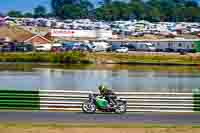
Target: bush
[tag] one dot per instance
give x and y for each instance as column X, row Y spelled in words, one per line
column 68, row 57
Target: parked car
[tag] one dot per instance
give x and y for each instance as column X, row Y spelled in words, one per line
column 122, row 50
column 144, row 46
column 182, row 51
column 85, row 48
column 67, row 46
column 169, row 50
column 99, row 46
column 43, row 48
column 24, row 48
column 130, row 47
column 137, row 34
column 57, row 49
column 113, row 48
column 6, row 48
column 150, row 47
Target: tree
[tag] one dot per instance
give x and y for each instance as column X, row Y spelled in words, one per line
column 179, row 14
column 191, row 3
column 69, row 11
column 114, row 11
column 50, row 14
column 58, row 4
column 28, row 15
column 153, row 14
column 151, row 10
column 71, row 8
column 191, row 14
column 168, row 8
column 40, row 11
column 14, row 13
column 107, row 2
column 138, row 9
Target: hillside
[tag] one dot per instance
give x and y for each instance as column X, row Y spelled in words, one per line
column 14, row 33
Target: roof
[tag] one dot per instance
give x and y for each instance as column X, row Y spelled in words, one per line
column 29, row 39
column 49, row 37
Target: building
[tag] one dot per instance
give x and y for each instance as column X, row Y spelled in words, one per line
column 59, row 33
column 37, row 40
column 162, row 44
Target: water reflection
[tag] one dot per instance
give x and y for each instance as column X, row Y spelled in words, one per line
column 88, row 79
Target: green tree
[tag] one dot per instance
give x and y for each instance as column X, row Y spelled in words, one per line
column 179, row 14
column 191, row 14
column 50, row 14
column 153, row 15
column 107, row 2
column 28, row 15
column 138, row 9
column 71, row 8
column 40, row 11
column 151, row 10
column 14, row 13
column 70, row 11
column 168, row 8
column 115, row 11
column 191, row 3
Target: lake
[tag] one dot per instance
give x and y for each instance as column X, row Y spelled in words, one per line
column 119, row 77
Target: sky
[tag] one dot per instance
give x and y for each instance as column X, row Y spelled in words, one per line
column 26, row 5
column 22, row 5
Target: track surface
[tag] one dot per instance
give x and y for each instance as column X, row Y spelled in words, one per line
column 66, row 117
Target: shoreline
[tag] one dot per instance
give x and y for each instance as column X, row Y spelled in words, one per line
column 150, row 64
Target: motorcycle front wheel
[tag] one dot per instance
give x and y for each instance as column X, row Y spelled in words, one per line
column 88, row 107
column 121, row 108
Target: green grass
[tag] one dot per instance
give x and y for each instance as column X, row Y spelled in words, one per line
column 160, row 59
column 68, row 57
column 88, row 58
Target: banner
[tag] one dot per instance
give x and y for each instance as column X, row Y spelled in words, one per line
column 81, row 33
column 73, row 33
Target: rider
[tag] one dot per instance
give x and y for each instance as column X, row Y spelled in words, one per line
column 108, row 94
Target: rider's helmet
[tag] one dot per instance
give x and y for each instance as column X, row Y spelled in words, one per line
column 102, row 88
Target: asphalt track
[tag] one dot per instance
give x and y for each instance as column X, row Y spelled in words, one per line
column 76, row 117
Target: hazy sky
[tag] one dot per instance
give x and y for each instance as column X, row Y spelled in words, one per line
column 22, row 5
column 27, row 5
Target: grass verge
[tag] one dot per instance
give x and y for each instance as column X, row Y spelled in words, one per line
column 75, row 125
column 102, row 58
column 94, row 128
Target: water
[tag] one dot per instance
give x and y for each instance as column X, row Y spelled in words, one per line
column 120, row 78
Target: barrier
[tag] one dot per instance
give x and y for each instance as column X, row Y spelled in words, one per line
column 61, row 100
column 11, row 99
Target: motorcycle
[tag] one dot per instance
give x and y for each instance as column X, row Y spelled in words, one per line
column 97, row 102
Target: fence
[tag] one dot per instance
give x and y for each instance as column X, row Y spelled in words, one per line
column 59, row 100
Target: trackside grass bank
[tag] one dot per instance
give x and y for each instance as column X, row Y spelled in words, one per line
column 97, row 128
column 147, row 58
column 69, row 57
column 102, row 58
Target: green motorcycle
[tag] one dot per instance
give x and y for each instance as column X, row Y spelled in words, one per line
column 97, row 102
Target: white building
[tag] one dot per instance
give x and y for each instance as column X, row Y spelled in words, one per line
column 106, row 34
column 163, row 44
